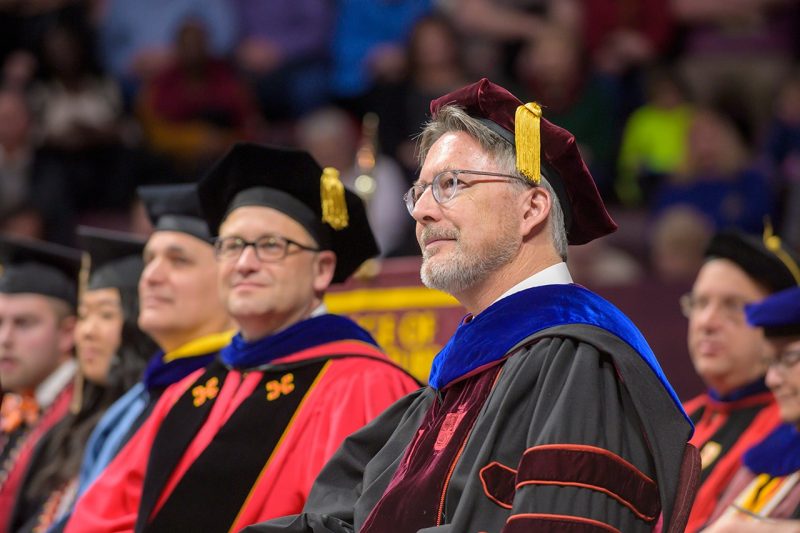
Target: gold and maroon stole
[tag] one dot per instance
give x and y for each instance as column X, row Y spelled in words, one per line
column 216, row 486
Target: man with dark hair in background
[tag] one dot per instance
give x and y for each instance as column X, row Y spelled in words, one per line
column 38, row 300
column 176, row 309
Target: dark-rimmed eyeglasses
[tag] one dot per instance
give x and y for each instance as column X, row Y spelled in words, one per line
column 730, row 307
column 269, row 248
column 446, row 185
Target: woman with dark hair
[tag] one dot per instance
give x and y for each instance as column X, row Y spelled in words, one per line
column 112, row 352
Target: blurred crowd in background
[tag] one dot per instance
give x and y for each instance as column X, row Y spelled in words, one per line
column 687, row 112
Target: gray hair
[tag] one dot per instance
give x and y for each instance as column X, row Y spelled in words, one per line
column 453, row 118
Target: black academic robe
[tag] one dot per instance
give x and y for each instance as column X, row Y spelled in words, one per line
column 575, row 433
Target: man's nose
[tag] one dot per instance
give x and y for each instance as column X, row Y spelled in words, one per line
column 426, row 207
column 248, row 260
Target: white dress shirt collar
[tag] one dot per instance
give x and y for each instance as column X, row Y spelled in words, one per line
column 557, row 274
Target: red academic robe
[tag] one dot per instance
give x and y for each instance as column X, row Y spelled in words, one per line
column 724, row 431
column 13, row 470
column 346, row 394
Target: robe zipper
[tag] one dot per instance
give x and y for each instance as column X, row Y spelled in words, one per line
column 450, row 471
column 443, row 497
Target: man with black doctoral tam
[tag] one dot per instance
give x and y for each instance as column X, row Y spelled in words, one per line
column 38, row 300
column 546, row 410
column 737, row 409
column 176, row 309
column 243, row 440
column 764, row 495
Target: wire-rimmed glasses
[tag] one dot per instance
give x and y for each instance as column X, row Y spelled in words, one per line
column 445, row 185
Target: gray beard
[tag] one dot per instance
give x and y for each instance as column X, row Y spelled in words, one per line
column 463, row 271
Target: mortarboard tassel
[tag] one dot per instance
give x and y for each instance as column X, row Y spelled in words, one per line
column 334, row 208
column 773, row 244
column 528, row 140
column 83, row 274
column 76, row 401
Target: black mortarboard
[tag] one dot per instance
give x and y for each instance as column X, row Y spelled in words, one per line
column 292, row 182
column 767, row 260
column 116, row 257
column 540, row 146
column 39, row 267
column 778, row 314
column 174, row 208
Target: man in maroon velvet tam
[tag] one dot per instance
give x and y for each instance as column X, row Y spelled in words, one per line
column 546, row 410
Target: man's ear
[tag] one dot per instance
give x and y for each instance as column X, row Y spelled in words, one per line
column 324, row 268
column 66, row 334
column 535, row 210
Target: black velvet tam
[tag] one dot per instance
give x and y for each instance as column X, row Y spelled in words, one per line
column 768, row 261
column 289, row 181
column 175, row 208
column 116, row 257
column 39, row 267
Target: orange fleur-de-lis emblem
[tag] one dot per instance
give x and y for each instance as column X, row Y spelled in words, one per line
column 18, row 410
column 277, row 388
column 205, row 392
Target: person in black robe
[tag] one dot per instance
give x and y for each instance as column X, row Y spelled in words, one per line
column 187, row 322
column 737, row 409
column 764, row 494
column 112, row 352
column 546, row 410
column 39, row 285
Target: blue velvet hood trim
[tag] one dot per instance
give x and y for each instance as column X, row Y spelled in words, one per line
column 778, row 454
column 305, row 334
column 490, row 335
column 159, row 375
column 751, row 389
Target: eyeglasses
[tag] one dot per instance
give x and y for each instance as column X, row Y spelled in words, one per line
column 785, row 360
column 445, row 185
column 269, row 248
column 730, row 307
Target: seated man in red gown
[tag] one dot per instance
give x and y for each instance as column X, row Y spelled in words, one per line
column 764, row 495
column 242, row 440
column 737, row 410
column 38, row 305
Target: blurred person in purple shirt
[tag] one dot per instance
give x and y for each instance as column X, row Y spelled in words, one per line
column 283, row 47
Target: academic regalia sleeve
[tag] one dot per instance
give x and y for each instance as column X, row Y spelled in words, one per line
column 355, row 393
column 331, row 504
column 112, row 501
column 587, row 464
